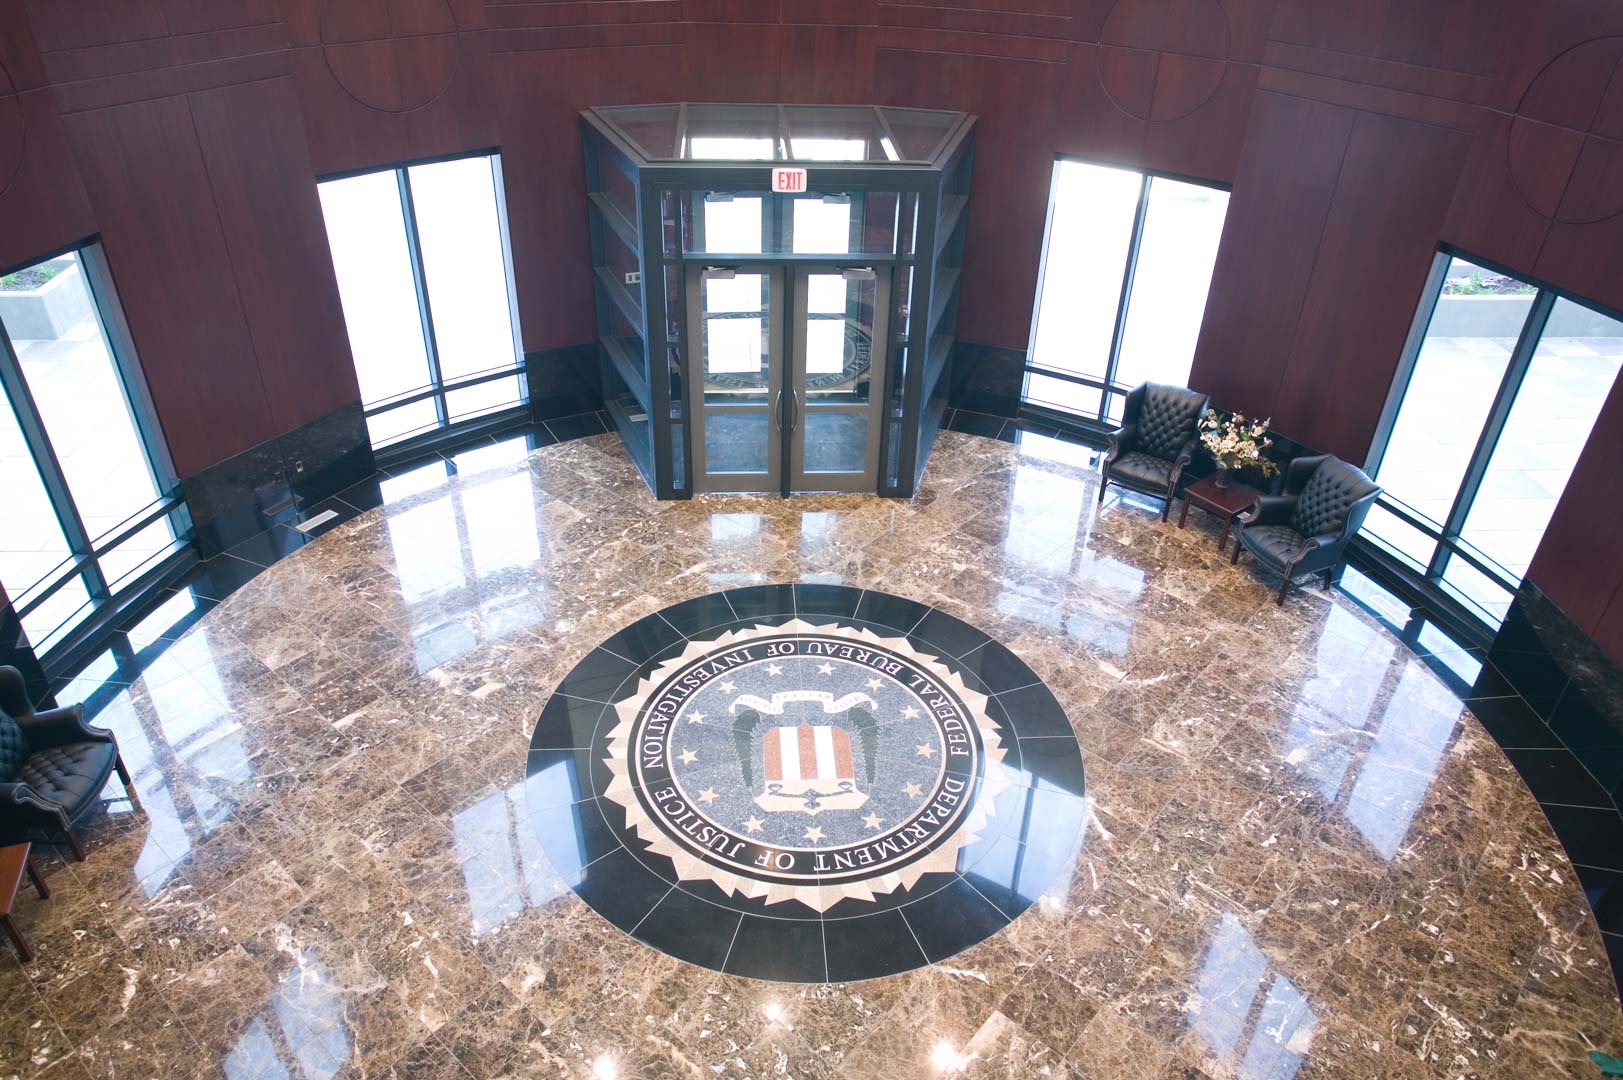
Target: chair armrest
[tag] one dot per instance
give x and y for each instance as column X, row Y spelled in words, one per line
column 1122, row 440
column 1269, row 510
column 1317, row 553
column 14, row 692
column 1186, row 452
column 59, row 727
column 18, row 800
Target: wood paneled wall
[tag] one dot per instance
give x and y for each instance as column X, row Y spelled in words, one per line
column 1358, row 136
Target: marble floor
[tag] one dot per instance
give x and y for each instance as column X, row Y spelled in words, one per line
column 1303, row 856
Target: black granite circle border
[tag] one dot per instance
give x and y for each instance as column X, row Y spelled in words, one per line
column 1032, row 836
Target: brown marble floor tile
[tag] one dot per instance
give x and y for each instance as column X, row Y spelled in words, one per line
column 1305, row 857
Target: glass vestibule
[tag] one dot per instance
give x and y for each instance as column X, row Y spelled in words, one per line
column 780, row 341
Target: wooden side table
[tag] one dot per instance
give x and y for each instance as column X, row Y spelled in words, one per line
column 1226, row 503
column 15, row 860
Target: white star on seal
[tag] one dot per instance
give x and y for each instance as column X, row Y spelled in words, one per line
column 872, row 820
column 926, row 750
column 688, row 757
column 874, row 684
column 910, row 712
column 753, row 825
column 825, row 669
column 695, row 717
column 774, row 669
column 814, row 833
column 912, row 789
column 729, row 686
column 708, row 795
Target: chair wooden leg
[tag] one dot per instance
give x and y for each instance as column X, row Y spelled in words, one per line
column 1234, row 560
column 1103, row 483
column 124, row 775
column 1329, row 578
column 1284, row 587
column 75, row 846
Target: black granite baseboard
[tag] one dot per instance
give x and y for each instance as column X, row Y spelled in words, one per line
column 986, row 378
column 1554, row 701
column 1567, row 681
column 563, row 381
column 273, row 482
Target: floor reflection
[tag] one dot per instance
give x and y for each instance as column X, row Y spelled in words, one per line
column 1295, row 836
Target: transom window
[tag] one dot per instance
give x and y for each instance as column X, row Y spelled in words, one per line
column 1127, row 262
column 425, row 276
column 1499, row 387
column 91, row 507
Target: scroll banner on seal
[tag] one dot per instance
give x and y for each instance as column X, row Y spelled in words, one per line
column 779, row 700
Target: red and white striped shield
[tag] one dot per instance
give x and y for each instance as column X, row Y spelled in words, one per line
column 808, row 768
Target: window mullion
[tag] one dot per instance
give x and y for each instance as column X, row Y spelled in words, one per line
column 50, row 469
column 1126, row 297
column 419, row 280
column 1520, row 360
column 1429, row 296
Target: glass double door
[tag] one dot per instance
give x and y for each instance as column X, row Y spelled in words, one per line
column 788, row 384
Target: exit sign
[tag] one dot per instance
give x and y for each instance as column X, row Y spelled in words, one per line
column 791, row 180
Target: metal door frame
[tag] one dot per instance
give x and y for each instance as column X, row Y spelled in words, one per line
column 698, row 409
column 796, row 478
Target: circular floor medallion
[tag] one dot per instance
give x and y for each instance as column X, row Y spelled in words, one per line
column 805, row 783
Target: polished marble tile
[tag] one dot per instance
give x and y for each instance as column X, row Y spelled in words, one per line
column 1303, row 855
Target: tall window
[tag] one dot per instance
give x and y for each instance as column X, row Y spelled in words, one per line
column 425, row 277
column 1126, row 265
column 89, row 508
column 1498, row 390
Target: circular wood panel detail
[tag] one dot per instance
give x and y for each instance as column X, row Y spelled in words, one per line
column 391, row 55
column 1565, row 150
column 1157, row 67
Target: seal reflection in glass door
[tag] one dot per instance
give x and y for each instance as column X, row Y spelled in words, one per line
column 738, row 445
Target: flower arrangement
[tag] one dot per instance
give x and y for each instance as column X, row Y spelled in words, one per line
column 1236, row 443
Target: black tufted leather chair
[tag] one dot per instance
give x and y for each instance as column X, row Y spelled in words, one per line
column 1160, row 426
column 53, row 765
column 1306, row 529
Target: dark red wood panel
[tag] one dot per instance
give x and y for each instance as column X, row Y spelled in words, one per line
column 1577, row 565
column 1490, row 216
column 1206, row 142
column 1367, row 98
column 1350, row 26
column 20, row 65
column 201, row 16
column 1270, row 242
column 343, row 133
column 253, row 144
column 43, row 205
column 94, row 22
column 1448, row 35
column 1313, row 284
column 149, row 188
column 827, row 65
column 1093, row 123
column 1397, row 178
column 465, row 115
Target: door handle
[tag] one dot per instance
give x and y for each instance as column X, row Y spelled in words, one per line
column 794, row 409
column 777, row 412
